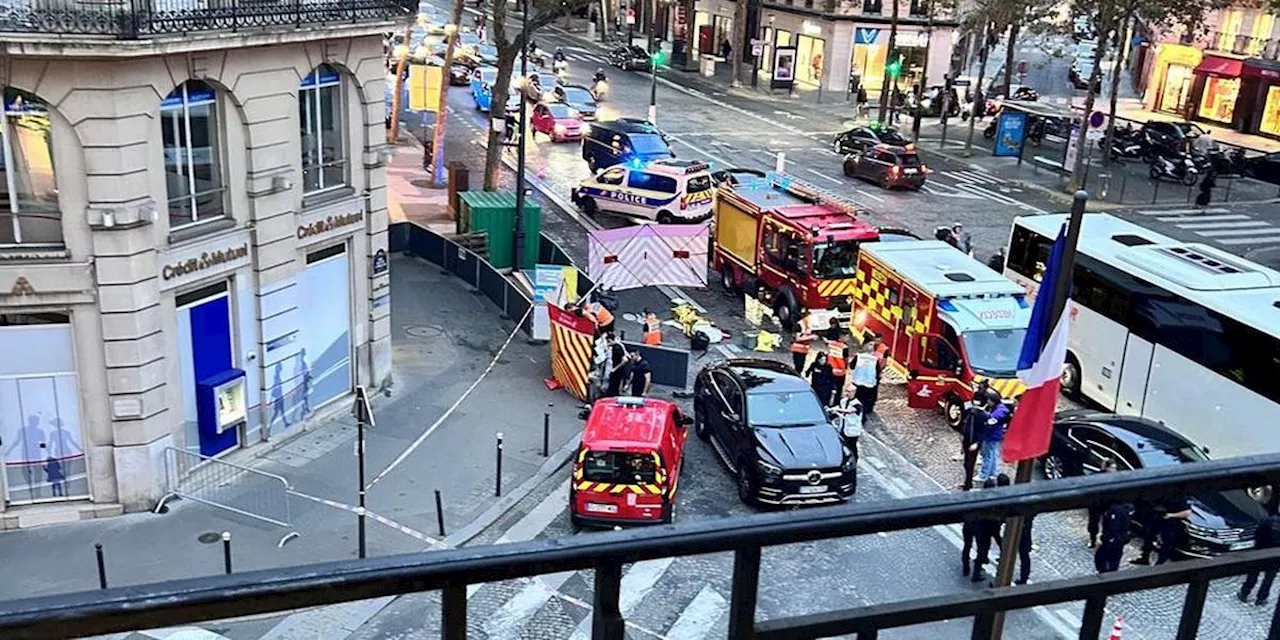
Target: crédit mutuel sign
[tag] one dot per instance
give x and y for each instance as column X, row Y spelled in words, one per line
column 329, row 223
column 205, row 260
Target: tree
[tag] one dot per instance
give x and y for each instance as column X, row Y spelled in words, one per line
column 540, row 13
column 740, row 42
column 1111, row 19
column 442, row 110
column 987, row 18
column 1026, row 12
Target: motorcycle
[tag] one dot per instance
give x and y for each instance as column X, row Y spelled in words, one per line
column 600, row 89
column 1179, row 167
column 561, row 68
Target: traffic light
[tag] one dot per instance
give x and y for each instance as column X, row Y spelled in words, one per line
column 657, row 57
column 894, row 66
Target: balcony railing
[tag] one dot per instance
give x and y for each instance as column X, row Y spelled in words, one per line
column 128, row 19
column 451, row 571
column 1268, row 48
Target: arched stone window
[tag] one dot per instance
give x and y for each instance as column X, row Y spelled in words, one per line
column 320, row 113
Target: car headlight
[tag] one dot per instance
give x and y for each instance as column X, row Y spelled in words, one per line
column 560, row 129
column 850, row 463
column 768, row 473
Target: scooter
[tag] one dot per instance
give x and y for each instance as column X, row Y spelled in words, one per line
column 561, row 68
column 600, row 89
column 1179, row 167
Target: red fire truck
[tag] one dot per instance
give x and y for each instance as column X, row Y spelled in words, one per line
column 949, row 321
column 797, row 241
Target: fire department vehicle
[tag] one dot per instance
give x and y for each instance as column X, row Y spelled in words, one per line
column 948, row 320
column 628, row 464
column 796, row 240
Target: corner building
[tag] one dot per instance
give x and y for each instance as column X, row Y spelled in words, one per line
column 193, row 235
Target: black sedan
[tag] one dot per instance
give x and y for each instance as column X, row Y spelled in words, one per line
column 767, row 426
column 890, row 167
column 629, row 57
column 859, row 139
column 1083, row 440
column 578, row 97
column 1265, row 168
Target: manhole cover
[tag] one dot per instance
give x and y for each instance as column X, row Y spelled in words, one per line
column 209, row 538
column 424, row 332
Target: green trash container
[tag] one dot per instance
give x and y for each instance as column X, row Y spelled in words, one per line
column 494, row 212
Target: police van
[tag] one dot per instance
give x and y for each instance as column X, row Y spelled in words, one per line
column 664, row 190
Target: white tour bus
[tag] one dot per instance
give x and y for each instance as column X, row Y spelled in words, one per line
column 1181, row 333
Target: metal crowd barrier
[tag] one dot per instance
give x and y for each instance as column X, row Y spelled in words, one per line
column 452, row 570
column 228, row 486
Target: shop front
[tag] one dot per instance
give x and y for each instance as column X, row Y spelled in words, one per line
column 871, row 51
column 1172, row 76
column 1260, row 97
column 714, row 29
column 42, row 450
column 1217, row 86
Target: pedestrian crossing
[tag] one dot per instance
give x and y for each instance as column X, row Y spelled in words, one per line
column 1218, row 225
column 973, row 177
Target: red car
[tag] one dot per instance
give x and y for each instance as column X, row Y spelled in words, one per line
column 559, row 121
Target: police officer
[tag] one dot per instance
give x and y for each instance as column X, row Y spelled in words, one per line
column 1163, row 524
column 1024, row 539
column 1095, row 510
column 985, row 531
column 1113, row 524
column 975, row 422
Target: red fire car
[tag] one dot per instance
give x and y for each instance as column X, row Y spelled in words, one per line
column 628, row 464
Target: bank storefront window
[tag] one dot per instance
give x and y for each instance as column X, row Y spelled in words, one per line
column 1271, row 112
column 1219, row 100
column 809, row 59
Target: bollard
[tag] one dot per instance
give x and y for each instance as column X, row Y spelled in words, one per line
column 102, row 566
column 1105, row 179
column 1189, row 193
column 546, row 434
column 497, row 480
column 1155, row 193
column 439, row 514
column 360, row 539
column 226, row 550
column 781, row 167
column 1124, row 181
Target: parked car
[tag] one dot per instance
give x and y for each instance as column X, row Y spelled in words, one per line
column 1084, row 439
column 887, row 165
column 459, row 74
column 1173, row 135
column 1265, row 168
column 558, row 120
column 629, row 57
column 768, row 427
column 861, row 138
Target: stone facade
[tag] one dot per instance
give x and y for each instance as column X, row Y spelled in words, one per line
column 122, row 269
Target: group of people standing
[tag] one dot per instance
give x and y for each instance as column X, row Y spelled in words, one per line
column 982, row 435
column 845, row 376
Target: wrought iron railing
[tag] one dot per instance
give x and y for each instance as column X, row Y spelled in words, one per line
column 451, row 571
column 128, row 19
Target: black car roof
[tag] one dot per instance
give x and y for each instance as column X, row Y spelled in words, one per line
column 765, row 376
column 1132, row 430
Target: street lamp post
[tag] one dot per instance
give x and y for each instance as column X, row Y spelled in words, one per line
column 518, row 244
column 653, row 65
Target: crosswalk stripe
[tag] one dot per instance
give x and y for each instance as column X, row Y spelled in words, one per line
column 1240, row 241
column 697, row 619
column 1197, row 226
column 971, row 176
column 1178, row 212
column 1202, row 218
column 998, row 197
column 637, row 582
column 1240, row 232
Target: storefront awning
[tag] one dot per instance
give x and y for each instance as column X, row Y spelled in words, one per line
column 1260, row 68
column 1213, row 65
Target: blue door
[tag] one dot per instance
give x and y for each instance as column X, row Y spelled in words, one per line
column 204, row 330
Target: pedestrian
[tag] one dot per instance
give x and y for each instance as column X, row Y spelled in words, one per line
column 726, row 49
column 838, row 358
column 960, row 239
column 1162, row 525
column 864, row 111
column 986, row 530
column 1207, row 184
column 652, row 329
column 975, row 421
column 849, row 421
column 620, row 371
column 996, row 261
column 821, row 378
column 993, row 435
column 1266, row 537
column 866, row 376
column 56, row 477
column 641, row 375
column 800, row 342
column 833, row 331
column 1096, row 510
column 1114, row 527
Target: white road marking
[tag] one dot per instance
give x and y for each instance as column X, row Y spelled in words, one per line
column 1240, row 232
column 875, row 462
column 1200, row 219
column 1178, row 212
column 697, row 619
column 824, row 176
column 971, row 176
column 725, row 350
column 636, row 584
column 1240, row 241
column 1197, row 226
column 953, row 193
column 1069, row 617
column 539, row 517
column 869, row 195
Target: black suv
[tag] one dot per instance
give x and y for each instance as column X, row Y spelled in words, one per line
column 859, row 139
column 767, row 425
column 628, row 58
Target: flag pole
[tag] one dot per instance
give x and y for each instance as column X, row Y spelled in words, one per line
column 1013, row 527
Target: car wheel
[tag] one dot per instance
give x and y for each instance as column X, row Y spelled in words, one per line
column 746, row 488
column 588, row 206
column 787, row 311
column 727, row 278
column 665, row 217
column 953, row 409
column 835, row 146
column 700, row 424
column 1189, row 179
column 1053, row 467
column 1070, row 380
column 849, row 169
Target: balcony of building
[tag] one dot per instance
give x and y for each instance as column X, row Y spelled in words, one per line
column 72, row 26
column 1265, row 48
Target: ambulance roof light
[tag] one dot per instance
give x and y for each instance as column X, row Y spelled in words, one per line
column 947, row 305
column 628, row 401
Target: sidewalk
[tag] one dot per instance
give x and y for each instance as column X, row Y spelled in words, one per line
column 1131, row 109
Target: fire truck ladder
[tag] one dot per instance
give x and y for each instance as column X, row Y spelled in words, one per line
column 806, row 189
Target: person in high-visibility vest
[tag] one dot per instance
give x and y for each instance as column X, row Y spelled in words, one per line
column 603, row 317
column 652, row 329
column 800, row 341
column 837, row 354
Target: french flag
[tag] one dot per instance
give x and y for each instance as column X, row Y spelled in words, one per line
column 1040, row 367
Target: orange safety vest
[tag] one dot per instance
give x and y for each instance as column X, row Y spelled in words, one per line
column 604, row 317
column 800, row 343
column 652, row 330
column 835, row 357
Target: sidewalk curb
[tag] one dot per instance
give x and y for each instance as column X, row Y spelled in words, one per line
column 556, row 461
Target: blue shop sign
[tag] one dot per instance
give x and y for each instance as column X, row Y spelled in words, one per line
column 865, row 36
column 1009, row 133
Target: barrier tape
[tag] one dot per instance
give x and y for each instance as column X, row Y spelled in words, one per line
column 373, row 516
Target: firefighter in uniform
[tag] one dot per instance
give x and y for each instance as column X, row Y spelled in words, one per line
column 837, row 356
column 800, row 341
column 603, row 316
column 652, row 329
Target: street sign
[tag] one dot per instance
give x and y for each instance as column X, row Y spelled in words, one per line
column 631, row 16
column 1097, row 118
column 362, row 411
column 380, row 264
column 1073, row 149
column 757, row 49
column 424, row 87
